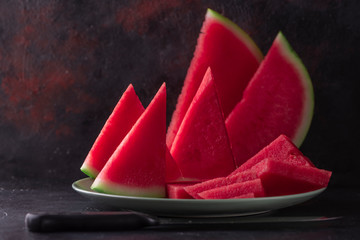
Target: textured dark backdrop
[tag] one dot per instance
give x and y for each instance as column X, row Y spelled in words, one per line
column 64, row 65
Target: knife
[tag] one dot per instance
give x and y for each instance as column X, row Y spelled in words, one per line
column 129, row 220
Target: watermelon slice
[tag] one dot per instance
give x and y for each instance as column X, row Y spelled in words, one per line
column 283, row 178
column 246, row 195
column 176, row 190
column 201, row 147
column 233, row 58
column 173, row 173
column 234, row 190
column 137, row 167
column 195, row 189
column 281, row 149
column 123, row 117
column 278, row 100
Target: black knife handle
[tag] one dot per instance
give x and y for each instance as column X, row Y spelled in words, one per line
column 88, row 221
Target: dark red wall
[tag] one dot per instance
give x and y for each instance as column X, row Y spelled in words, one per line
column 64, row 65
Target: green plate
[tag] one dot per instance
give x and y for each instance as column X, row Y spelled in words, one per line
column 192, row 207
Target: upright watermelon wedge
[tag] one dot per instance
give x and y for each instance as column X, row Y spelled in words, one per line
column 119, row 123
column 233, row 58
column 201, row 148
column 137, row 167
column 278, row 100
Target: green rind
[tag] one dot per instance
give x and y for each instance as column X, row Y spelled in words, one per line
column 292, row 56
column 241, row 34
column 92, row 173
column 117, row 189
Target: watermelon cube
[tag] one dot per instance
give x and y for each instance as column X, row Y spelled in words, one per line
column 284, row 178
column 234, row 190
column 176, row 190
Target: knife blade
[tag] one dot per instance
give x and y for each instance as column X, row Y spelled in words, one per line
column 129, row 220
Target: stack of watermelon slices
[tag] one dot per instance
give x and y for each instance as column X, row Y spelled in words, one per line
column 231, row 134
column 278, row 169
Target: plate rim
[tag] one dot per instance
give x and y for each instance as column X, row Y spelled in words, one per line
column 292, row 196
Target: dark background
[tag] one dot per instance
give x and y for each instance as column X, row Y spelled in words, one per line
column 65, row 64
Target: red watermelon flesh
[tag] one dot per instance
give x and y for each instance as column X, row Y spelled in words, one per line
column 280, row 149
column 195, row 189
column 283, row 178
column 278, row 100
column 137, row 167
column 176, row 190
column 201, row 148
column 173, row 173
column 119, row 123
column 246, row 195
column 229, row 191
column 233, row 58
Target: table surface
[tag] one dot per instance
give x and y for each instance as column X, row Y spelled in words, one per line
column 20, row 197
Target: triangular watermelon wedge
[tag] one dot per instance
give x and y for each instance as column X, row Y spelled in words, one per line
column 233, row 58
column 137, row 167
column 201, row 147
column 278, row 100
column 119, row 123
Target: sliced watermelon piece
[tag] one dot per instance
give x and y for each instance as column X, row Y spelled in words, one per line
column 283, row 178
column 278, row 100
column 119, row 123
column 281, row 149
column 173, row 173
column 234, row 190
column 233, row 57
column 246, row 195
column 201, row 147
column 137, row 167
column 176, row 190
column 195, row 189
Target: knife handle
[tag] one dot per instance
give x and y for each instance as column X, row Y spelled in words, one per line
column 88, row 221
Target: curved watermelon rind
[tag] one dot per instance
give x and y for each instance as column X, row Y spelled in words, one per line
column 308, row 110
column 91, row 172
column 240, row 33
column 184, row 99
column 117, row 189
